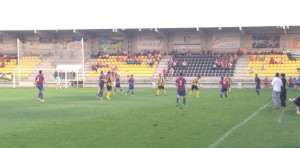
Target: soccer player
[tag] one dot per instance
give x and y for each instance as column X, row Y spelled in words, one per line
column 39, row 81
column 57, row 78
column 266, row 82
column 161, row 85
column 101, row 85
column 118, row 84
column 131, row 86
column 228, row 80
column 195, row 86
column 180, row 83
column 109, row 85
column 257, row 84
column 223, row 88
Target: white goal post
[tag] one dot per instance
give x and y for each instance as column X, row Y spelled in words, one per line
column 25, row 77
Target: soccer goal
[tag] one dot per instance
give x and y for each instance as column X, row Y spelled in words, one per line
column 25, row 77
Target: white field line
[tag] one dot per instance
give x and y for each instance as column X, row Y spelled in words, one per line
column 237, row 126
column 280, row 116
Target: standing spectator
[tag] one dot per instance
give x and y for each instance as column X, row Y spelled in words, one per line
column 266, row 80
column 276, row 83
column 171, row 72
column 291, row 82
column 165, row 72
column 283, row 90
column 184, row 63
column 272, row 51
column 263, row 67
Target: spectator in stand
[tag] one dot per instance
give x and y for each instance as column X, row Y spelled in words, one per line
column 266, row 82
column 276, row 61
column 174, row 64
column 165, row 72
column 258, row 51
column 189, row 52
column 265, row 58
column 139, row 61
column 251, row 52
column 107, row 64
column 149, row 55
column 251, row 58
column 291, row 82
column 272, row 51
column 281, row 61
column 263, row 67
column 118, row 59
column 124, row 58
column 94, row 67
column 243, row 51
column 202, row 52
column 151, row 62
column 112, row 67
column 148, row 61
column 184, row 63
column 171, row 72
column 272, row 61
column 116, row 68
column 252, row 70
column 214, row 66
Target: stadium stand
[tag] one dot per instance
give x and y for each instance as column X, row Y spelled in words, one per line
column 29, row 62
column 123, row 67
column 203, row 65
column 269, row 64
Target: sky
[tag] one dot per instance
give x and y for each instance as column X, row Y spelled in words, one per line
column 109, row 14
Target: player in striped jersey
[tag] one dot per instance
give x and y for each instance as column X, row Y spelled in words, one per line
column 118, row 84
column 109, row 85
column 161, row 85
column 195, row 86
column 180, row 83
column 39, row 82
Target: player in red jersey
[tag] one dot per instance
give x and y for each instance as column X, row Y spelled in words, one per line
column 39, row 82
column 223, row 88
column 180, row 83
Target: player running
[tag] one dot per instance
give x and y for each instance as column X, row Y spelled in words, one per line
column 57, row 79
column 180, row 83
column 118, row 84
column 131, row 86
column 223, row 88
column 195, row 86
column 257, row 84
column 109, row 85
column 228, row 80
column 161, row 85
column 101, row 85
column 39, row 81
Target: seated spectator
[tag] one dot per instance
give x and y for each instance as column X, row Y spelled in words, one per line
column 263, row 67
column 118, row 59
column 124, row 58
column 265, row 58
column 184, row 63
column 116, row 68
column 151, row 62
column 148, row 61
column 281, row 61
column 272, row 51
column 174, row 64
column 139, row 61
column 251, row 58
column 107, row 64
column 189, row 53
column 276, row 61
column 258, row 51
column 93, row 67
column 3, row 64
column 272, row 61
column 251, row 52
column 243, row 51
column 112, row 67
column 214, row 66
column 252, row 70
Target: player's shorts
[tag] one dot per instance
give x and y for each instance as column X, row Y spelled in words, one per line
column 101, row 87
column 181, row 93
column 118, row 85
column 108, row 88
column 40, row 88
column 194, row 87
column 58, row 82
column 131, row 87
column 257, row 87
column 223, row 90
column 161, row 87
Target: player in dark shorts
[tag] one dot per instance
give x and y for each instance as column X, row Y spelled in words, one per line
column 109, row 85
column 39, row 82
column 161, row 85
column 257, row 84
column 223, row 88
column 195, row 86
column 180, row 83
column 131, row 86
column 118, row 84
column 101, row 85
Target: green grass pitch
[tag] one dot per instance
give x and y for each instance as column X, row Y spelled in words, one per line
column 72, row 118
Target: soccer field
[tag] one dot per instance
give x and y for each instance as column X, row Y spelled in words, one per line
column 77, row 118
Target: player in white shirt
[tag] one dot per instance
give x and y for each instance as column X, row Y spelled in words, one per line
column 276, row 83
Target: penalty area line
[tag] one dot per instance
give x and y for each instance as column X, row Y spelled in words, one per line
column 237, row 126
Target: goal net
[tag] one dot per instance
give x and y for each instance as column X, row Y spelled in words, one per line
column 68, row 77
